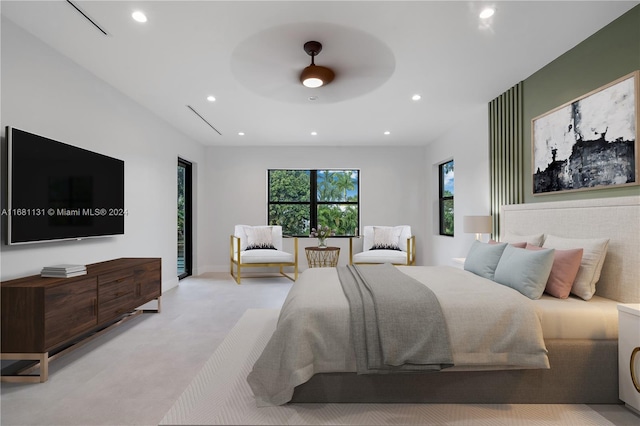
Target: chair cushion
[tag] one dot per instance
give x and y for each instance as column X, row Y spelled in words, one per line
column 381, row 256
column 266, row 256
column 386, row 238
column 251, row 234
column 401, row 232
column 259, row 238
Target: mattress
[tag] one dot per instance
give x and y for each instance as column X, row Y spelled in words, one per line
column 574, row 318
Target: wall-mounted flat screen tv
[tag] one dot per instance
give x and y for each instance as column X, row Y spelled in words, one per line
column 61, row 192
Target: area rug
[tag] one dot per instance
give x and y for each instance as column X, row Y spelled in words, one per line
column 220, row 395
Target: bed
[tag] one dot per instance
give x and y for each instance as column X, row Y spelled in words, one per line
column 579, row 338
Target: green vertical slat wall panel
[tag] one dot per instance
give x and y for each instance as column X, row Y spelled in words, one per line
column 505, row 152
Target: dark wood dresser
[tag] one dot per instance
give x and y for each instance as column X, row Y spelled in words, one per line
column 42, row 317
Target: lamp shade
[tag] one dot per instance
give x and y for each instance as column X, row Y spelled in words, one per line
column 477, row 224
column 316, row 76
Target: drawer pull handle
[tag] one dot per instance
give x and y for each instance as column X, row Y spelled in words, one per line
column 634, row 378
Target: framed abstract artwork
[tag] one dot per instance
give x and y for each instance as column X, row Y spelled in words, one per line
column 590, row 142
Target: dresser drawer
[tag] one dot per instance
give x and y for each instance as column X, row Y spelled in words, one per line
column 110, row 277
column 70, row 309
column 148, row 282
column 115, row 295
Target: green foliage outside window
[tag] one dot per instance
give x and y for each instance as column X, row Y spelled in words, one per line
column 303, row 199
column 289, row 201
column 447, row 217
column 181, row 203
column 446, row 198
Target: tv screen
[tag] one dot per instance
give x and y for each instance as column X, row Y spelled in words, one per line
column 59, row 192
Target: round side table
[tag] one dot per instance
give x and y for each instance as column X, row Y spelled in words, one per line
column 326, row 257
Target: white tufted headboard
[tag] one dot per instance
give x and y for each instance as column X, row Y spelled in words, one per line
column 615, row 218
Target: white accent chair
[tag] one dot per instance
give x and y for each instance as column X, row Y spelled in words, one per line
column 261, row 246
column 385, row 244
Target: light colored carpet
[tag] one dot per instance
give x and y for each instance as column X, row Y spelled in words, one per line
column 219, row 394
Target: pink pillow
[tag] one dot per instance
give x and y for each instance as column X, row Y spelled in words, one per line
column 563, row 272
column 516, row 245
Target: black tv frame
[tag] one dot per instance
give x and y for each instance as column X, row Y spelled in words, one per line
column 84, row 222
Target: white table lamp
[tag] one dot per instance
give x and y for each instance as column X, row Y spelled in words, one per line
column 477, row 225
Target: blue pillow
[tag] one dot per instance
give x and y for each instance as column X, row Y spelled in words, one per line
column 525, row 270
column 483, row 258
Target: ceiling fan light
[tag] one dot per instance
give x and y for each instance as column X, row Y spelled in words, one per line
column 315, row 76
column 312, row 82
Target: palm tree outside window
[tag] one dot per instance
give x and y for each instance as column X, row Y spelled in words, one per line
column 299, row 200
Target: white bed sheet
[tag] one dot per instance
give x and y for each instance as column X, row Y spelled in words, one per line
column 571, row 318
column 574, row 318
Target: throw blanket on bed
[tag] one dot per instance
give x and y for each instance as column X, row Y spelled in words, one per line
column 396, row 322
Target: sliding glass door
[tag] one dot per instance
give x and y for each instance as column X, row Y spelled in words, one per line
column 184, row 219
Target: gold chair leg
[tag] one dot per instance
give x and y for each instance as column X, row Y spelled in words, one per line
column 232, row 238
column 236, row 277
column 350, row 250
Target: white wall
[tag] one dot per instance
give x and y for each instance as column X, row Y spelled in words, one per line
column 468, row 146
column 392, row 182
column 45, row 93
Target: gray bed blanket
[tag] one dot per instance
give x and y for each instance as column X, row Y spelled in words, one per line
column 396, row 322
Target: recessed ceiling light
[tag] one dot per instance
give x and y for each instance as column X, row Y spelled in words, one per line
column 416, row 97
column 387, row 132
column 139, row 16
column 313, row 98
column 240, row 133
column 487, row 12
column 211, row 98
column 314, row 133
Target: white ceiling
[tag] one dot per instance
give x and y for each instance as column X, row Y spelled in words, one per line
column 249, row 56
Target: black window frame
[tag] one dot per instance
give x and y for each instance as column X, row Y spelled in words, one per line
column 444, row 199
column 188, row 218
column 314, row 201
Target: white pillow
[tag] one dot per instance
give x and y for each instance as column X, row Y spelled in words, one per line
column 259, row 238
column 533, row 239
column 404, row 232
column 594, row 252
column 386, row 238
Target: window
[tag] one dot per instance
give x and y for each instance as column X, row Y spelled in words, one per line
column 185, row 247
column 445, row 171
column 299, row 200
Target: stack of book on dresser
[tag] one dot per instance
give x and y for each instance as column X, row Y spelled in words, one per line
column 63, row 271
